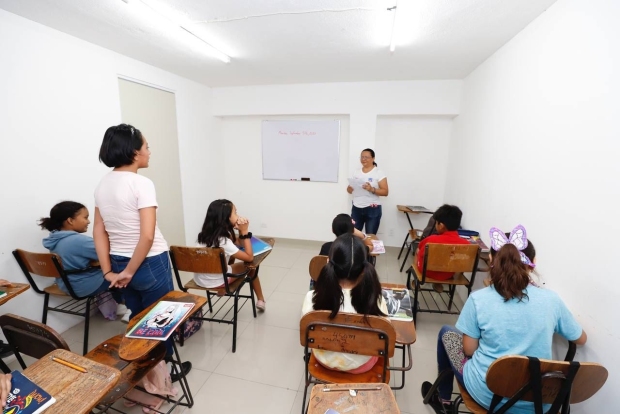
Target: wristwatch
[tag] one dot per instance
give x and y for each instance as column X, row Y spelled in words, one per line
column 246, row 236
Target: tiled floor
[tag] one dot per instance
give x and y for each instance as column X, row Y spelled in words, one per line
column 265, row 375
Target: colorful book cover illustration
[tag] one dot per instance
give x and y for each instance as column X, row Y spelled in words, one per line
column 398, row 302
column 161, row 321
column 26, row 397
column 259, row 246
column 477, row 240
column 378, row 247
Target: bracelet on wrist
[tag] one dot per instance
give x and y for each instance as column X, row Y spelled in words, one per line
column 109, row 271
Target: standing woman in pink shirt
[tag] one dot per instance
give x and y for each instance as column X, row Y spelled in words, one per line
column 131, row 250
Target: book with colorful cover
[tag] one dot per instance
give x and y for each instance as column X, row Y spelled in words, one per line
column 378, row 247
column 26, row 397
column 161, row 321
column 398, row 303
column 2, row 293
column 259, row 246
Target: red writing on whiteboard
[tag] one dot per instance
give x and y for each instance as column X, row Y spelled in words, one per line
column 306, row 133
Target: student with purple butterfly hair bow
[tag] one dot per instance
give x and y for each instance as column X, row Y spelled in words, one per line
column 510, row 317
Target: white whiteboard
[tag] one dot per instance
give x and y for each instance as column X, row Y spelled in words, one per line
column 301, row 150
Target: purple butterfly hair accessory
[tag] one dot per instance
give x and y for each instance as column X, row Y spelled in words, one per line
column 518, row 238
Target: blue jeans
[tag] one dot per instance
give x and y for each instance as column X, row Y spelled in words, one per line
column 450, row 357
column 371, row 216
column 152, row 281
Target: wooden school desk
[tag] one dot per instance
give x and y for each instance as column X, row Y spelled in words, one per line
column 407, row 210
column 377, row 399
column 75, row 392
column 13, row 290
column 132, row 349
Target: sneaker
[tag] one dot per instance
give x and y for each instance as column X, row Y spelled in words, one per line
column 186, row 367
column 435, row 402
column 260, row 305
column 126, row 316
column 438, row 287
column 121, row 309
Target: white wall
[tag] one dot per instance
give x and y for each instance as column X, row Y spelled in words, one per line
column 58, row 96
column 372, row 111
column 537, row 143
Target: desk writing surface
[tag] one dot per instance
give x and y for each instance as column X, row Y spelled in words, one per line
column 258, row 259
column 12, row 291
column 132, row 349
column 75, row 392
column 365, row 402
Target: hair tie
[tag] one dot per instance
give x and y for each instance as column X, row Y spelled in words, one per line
column 518, row 238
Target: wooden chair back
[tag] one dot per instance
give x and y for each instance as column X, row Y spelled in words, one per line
column 40, row 264
column 508, row 374
column 30, row 337
column 317, row 263
column 348, row 333
column 198, row 259
column 453, row 258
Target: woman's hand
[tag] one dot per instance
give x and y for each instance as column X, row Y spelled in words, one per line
column 5, row 387
column 5, row 283
column 120, row 280
column 367, row 187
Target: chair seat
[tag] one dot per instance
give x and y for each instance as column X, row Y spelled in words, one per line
column 457, row 279
column 469, row 402
column 221, row 291
column 327, row 375
column 132, row 372
column 54, row 290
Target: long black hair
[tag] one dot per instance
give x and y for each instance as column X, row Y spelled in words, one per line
column 217, row 224
column 347, row 261
column 59, row 214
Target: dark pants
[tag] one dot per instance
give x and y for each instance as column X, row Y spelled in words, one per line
column 450, row 357
column 370, row 216
column 152, row 281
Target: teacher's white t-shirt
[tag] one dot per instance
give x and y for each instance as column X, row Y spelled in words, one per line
column 373, row 177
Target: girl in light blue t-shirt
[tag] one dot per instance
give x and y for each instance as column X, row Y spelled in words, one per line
column 510, row 317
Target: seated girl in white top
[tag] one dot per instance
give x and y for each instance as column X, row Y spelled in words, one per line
column 218, row 230
column 347, row 283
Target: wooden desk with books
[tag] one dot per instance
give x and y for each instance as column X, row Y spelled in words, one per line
column 75, row 392
column 13, row 290
column 412, row 210
column 364, row 399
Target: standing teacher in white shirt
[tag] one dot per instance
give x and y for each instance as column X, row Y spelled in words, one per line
column 366, row 208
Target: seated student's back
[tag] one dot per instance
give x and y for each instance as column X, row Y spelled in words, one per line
column 447, row 221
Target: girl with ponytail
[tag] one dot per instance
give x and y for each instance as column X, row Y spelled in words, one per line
column 347, row 283
column 513, row 316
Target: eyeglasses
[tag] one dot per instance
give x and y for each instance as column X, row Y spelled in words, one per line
column 365, row 158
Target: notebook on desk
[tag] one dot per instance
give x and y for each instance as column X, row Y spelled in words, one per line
column 259, row 246
column 419, row 209
column 398, row 303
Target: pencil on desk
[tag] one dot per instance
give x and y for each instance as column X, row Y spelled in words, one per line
column 69, row 364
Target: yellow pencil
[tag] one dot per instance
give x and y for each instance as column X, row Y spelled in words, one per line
column 69, row 364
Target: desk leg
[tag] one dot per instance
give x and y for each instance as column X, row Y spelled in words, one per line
column 406, row 237
column 177, row 369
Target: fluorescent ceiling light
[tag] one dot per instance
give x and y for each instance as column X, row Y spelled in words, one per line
column 394, row 21
column 161, row 13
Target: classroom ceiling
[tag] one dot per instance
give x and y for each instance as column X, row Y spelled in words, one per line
column 295, row 41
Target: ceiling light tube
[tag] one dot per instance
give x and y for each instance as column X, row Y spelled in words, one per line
column 393, row 35
column 178, row 20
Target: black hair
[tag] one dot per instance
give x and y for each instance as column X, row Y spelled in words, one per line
column 342, row 224
column 450, row 216
column 59, row 214
column 348, row 261
column 372, row 154
column 217, row 224
column 119, row 146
